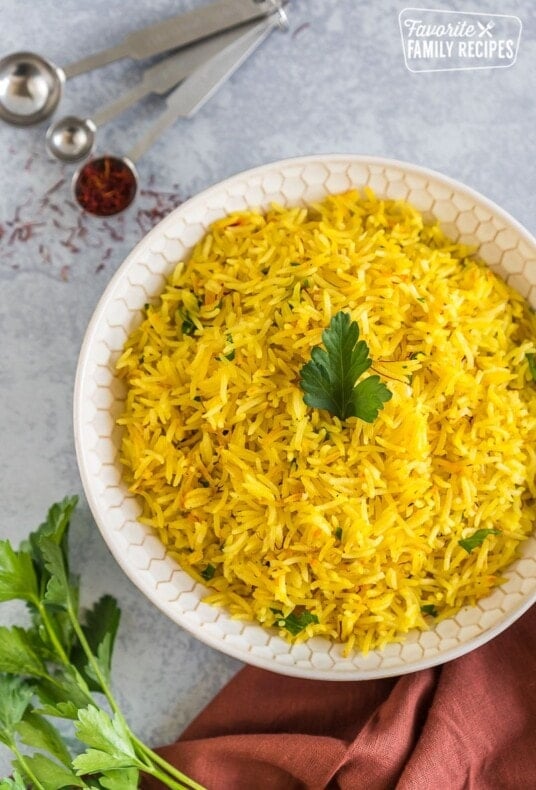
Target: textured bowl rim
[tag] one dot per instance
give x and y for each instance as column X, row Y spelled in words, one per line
column 157, row 231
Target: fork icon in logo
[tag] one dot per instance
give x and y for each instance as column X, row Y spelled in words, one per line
column 486, row 29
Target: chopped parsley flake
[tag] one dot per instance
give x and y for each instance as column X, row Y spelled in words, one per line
column 531, row 359
column 295, row 622
column 477, row 539
column 188, row 326
column 208, row 573
column 430, row 609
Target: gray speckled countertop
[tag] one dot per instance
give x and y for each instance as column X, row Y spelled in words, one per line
column 336, row 82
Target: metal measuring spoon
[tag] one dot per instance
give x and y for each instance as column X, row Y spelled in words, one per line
column 31, row 86
column 72, row 138
column 108, row 184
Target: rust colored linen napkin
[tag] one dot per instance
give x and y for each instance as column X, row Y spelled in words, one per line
column 469, row 724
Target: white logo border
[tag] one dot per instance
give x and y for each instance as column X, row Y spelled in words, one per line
column 458, row 13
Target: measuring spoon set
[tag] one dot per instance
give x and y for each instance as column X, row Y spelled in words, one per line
column 207, row 46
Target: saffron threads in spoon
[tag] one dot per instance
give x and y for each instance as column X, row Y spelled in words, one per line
column 105, row 185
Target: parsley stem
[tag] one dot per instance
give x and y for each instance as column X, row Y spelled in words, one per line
column 58, row 647
column 51, row 631
column 165, row 779
column 155, row 758
column 142, row 749
column 91, row 658
column 25, row 767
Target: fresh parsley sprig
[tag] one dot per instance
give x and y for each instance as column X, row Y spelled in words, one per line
column 52, row 668
column 329, row 378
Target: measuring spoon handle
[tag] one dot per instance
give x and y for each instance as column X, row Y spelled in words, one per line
column 197, row 89
column 176, row 32
column 163, row 76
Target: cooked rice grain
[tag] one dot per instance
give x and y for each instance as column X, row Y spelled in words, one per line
column 357, row 524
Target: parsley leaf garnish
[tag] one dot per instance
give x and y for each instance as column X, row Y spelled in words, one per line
column 109, row 739
column 477, row 539
column 34, row 730
column 15, row 782
column 17, row 575
column 20, row 652
column 329, row 378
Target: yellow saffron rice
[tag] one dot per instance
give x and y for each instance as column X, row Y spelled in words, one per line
column 281, row 509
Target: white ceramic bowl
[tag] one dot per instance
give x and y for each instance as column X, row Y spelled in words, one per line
column 506, row 247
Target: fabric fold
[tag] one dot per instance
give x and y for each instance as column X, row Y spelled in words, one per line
column 467, row 725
